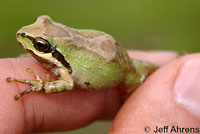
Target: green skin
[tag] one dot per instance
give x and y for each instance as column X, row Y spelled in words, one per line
column 87, row 59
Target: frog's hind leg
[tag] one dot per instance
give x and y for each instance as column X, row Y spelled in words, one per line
column 142, row 69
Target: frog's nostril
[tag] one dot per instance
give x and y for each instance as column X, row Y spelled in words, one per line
column 21, row 34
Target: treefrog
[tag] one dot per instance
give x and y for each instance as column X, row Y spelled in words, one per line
column 85, row 59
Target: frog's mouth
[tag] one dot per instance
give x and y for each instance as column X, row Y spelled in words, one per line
column 54, row 54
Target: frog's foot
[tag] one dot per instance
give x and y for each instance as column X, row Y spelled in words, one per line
column 36, row 85
column 39, row 85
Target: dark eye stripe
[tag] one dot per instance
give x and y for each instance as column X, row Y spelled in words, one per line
column 56, row 54
column 40, row 44
column 27, row 36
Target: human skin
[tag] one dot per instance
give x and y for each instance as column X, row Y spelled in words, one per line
column 38, row 112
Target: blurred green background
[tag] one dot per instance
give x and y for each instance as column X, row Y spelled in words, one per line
column 142, row 24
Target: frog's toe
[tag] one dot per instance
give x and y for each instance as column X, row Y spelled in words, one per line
column 9, row 79
column 37, row 77
column 18, row 96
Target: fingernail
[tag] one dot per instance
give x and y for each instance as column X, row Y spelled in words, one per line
column 187, row 87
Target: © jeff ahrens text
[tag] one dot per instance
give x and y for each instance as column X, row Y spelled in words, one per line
column 175, row 129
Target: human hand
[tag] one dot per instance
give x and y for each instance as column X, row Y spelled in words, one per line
column 65, row 111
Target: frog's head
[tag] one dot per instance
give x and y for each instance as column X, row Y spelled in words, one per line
column 31, row 35
column 42, row 38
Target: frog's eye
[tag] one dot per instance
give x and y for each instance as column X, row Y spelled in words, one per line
column 42, row 45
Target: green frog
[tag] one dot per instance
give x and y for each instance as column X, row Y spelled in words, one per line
column 85, row 59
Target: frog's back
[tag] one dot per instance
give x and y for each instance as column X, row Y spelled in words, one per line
column 97, row 60
column 94, row 41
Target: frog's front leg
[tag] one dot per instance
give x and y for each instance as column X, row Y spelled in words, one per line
column 65, row 82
